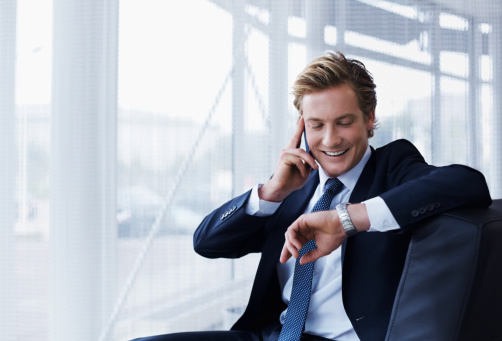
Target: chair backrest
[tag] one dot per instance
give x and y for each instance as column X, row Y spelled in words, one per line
column 451, row 287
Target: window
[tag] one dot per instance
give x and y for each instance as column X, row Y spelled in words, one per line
column 125, row 123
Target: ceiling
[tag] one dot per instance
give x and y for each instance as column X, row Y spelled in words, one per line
column 487, row 11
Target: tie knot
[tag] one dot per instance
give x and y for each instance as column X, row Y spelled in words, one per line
column 333, row 185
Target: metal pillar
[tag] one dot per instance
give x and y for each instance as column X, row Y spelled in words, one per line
column 238, row 99
column 7, row 167
column 436, row 124
column 83, row 153
column 341, row 16
column 315, row 19
column 495, row 157
column 238, row 107
column 278, row 79
column 474, row 115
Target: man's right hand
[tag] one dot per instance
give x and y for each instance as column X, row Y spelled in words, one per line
column 292, row 171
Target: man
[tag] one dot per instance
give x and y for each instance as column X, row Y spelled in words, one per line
column 390, row 188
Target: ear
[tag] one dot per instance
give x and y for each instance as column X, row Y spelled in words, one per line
column 370, row 121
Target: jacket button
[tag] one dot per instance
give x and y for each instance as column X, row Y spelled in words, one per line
column 430, row 207
column 437, row 204
column 422, row 210
column 415, row 213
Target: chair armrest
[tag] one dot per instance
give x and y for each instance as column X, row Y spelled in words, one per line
column 451, row 286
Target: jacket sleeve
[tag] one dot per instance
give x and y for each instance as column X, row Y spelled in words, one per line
column 228, row 232
column 418, row 190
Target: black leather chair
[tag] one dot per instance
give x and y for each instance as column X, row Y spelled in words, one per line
column 451, row 287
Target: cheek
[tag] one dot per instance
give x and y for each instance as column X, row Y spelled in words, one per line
column 313, row 137
column 357, row 134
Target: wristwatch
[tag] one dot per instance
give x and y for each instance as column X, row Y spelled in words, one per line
column 345, row 219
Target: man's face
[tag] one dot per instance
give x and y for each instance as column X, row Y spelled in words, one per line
column 337, row 132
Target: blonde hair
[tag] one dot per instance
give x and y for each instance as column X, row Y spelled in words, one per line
column 333, row 69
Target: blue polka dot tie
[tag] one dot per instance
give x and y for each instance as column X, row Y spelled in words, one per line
column 302, row 278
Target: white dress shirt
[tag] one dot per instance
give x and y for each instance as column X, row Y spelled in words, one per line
column 326, row 315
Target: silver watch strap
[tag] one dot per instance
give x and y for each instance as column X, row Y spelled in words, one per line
column 349, row 228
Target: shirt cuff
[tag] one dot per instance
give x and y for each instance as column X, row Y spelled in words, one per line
column 260, row 208
column 381, row 219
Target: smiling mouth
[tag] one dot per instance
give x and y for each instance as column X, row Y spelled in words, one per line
column 336, row 153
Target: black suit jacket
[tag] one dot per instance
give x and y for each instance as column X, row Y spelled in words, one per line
column 372, row 262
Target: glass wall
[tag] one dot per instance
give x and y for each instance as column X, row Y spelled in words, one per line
column 124, row 123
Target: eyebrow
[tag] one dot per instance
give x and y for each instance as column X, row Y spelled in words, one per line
column 347, row 115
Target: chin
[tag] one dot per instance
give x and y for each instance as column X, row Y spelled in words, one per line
column 333, row 173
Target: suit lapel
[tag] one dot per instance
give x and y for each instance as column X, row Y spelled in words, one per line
column 363, row 185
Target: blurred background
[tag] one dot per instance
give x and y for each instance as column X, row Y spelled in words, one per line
column 123, row 123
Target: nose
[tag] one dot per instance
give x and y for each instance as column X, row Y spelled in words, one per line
column 331, row 138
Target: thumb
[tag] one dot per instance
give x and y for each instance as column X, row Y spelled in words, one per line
column 311, row 256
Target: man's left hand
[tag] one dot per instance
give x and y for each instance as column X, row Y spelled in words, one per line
column 327, row 230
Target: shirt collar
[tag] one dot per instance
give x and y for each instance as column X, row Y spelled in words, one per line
column 349, row 179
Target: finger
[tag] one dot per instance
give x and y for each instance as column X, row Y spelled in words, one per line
column 285, row 255
column 289, row 251
column 292, row 243
column 300, row 164
column 296, row 139
column 309, row 159
column 300, row 158
column 298, row 235
column 311, row 256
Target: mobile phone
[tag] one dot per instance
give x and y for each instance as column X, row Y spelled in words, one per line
column 307, row 149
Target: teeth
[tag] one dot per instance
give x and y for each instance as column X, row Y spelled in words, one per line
column 336, row 153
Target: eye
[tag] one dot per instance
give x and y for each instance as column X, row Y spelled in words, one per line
column 346, row 121
column 315, row 126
